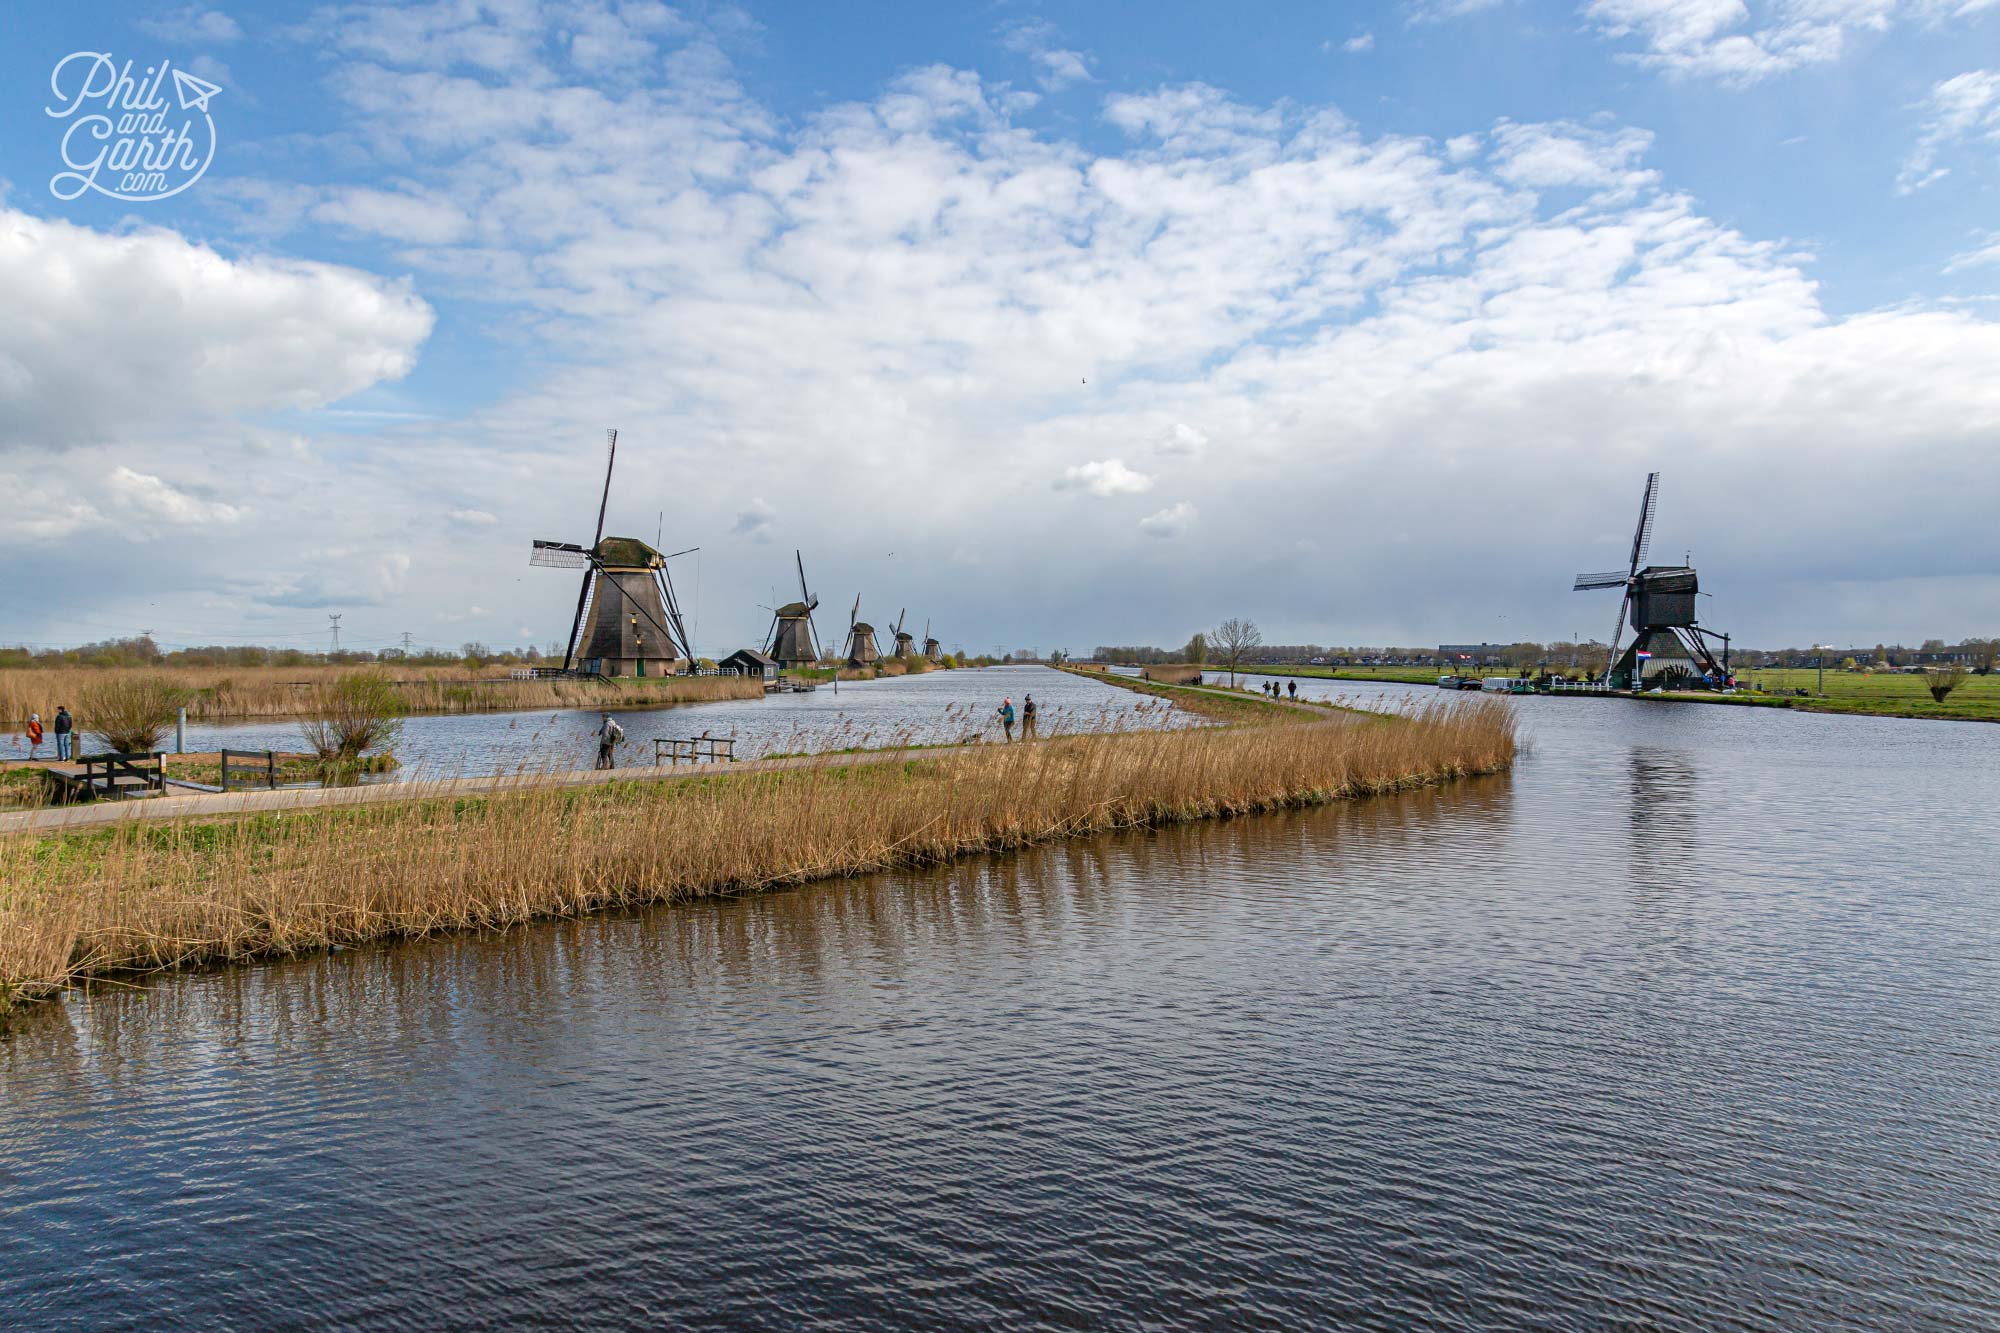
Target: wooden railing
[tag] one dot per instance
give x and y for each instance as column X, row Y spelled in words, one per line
column 697, row 750
column 255, row 764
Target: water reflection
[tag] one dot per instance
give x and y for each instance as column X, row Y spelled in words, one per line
column 1691, row 1022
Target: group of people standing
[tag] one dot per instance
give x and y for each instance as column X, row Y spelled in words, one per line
column 1270, row 687
column 63, row 728
column 1027, row 717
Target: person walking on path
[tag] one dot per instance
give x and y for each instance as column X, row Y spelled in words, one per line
column 1293, row 686
column 34, row 736
column 64, row 726
column 609, row 733
column 1028, row 717
column 1007, row 717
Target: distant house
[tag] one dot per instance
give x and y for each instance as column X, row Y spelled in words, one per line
column 1475, row 654
column 750, row 662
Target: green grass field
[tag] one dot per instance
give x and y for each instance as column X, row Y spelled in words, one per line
column 1884, row 694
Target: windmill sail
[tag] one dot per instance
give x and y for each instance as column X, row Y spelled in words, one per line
column 627, row 618
column 1658, row 602
column 791, row 640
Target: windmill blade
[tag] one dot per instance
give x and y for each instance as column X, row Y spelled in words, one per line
column 804, row 596
column 559, row 555
column 855, row 614
column 576, row 625
column 677, row 636
column 1642, row 536
column 1609, row 579
column 1617, row 632
column 610, row 461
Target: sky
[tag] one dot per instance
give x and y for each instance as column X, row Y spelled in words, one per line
column 1047, row 326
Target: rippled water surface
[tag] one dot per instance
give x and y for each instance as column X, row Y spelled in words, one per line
column 938, row 707
column 1693, row 1023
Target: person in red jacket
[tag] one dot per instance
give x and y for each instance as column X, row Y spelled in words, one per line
column 34, row 735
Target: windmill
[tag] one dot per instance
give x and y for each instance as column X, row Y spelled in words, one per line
column 1668, row 648
column 905, row 643
column 933, row 650
column 791, row 641
column 628, row 621
column 861, row 649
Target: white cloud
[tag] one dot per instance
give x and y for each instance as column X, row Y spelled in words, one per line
column 1057, row 67
column 1182, row 439
column 1354, row 46
column 394, row 214
column 755, row 520
column 147, row 497
column 1108, row 478
column 112, row 334
column 190, row 25
column 340, row 576
column 1565, row 153
column 1742, row 41
column 1169, row 522
column 1964, row 108
column 1987, row 252
column 473, row 518
column 911, row 313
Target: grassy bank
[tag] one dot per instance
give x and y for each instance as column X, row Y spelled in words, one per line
column 142, row 896
column 1217, row 702
column 280, row 692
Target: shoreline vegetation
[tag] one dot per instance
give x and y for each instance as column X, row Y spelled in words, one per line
column 1854, row 693
column 138, row 897
column 282, row 694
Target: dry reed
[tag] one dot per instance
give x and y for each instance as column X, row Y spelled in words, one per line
column 216, row 693
column 148, row 895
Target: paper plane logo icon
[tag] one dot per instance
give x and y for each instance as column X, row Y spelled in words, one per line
column 194, row 93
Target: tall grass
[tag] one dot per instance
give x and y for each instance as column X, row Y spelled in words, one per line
column 147, row 895
column 221, row 693
column 128, row 713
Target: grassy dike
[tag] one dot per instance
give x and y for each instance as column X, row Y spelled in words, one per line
column 142, row 896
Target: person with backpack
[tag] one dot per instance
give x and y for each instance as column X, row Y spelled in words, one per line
column 34, row 735
column 609, row 733
column 64, row 726
column 1028, row 717
column 1007, row 717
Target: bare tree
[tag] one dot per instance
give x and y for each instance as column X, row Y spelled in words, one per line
column 1196, row 651
column 1231, row 640
column 1941, row 681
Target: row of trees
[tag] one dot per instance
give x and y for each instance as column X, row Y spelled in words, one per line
column 140, row 650
column 1256, row 652
column 1977, row 654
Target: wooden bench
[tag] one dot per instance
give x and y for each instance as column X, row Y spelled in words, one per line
column 112, row 776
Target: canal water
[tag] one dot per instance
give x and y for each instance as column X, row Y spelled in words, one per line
column 938, row 707
column 1691, row 1023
